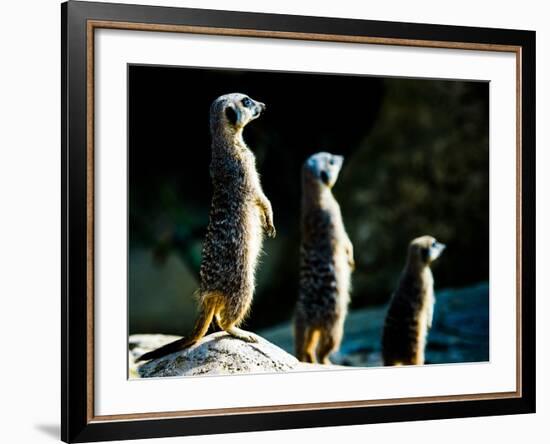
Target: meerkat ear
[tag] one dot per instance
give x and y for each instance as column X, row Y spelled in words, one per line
column 425, row 253
column 231, row 115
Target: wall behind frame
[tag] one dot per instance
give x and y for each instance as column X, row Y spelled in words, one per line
column 30, row 223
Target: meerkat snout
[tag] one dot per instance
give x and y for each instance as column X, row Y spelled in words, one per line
column 435, row 250
column 261, row 107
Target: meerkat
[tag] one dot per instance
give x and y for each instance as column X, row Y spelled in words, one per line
column 239, row 214
column 411, row 309
column 326, row 263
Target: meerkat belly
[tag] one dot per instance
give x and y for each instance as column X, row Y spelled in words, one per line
column 253, row 239
column 320, row 299
column 421, row 329
column 405, row 327
column 231, row 246
column 342, row 275
column 424, row 320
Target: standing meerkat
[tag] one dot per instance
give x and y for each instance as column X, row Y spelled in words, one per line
column 326, row 263
column 239, row 214
column 412, row 305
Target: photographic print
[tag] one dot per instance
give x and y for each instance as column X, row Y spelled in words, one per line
column 296, row 221
column 277, row 221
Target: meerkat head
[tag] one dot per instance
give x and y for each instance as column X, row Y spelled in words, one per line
column 425, row 249
column 323, row 168
column 234, row 111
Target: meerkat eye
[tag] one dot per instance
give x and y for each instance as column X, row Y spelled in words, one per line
column 434, row 243
column 331, row 161
column 246, row 102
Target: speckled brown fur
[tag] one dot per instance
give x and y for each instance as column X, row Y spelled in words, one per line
column 239, row 214
column 326, row 263
column 411, row 308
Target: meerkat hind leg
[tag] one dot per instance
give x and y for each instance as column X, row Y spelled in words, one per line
column 327, row 345
column 299, row 339
column 206, row 314
column 418, row 359
column 331, row 339
column 309, row 345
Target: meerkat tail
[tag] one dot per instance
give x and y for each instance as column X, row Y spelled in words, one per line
column 163, row 351
column 201, row 327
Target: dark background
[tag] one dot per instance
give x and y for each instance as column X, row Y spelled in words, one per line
column 416, row 162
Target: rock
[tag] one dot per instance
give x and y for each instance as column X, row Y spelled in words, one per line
column 140, row 344
column 215, row 354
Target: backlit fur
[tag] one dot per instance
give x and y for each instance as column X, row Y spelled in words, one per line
column 326, row 263
column 239, row 214
column 410, row 313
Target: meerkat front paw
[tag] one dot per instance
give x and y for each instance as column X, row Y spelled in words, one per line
column 268, row 222
column 266, row 215
column 270, row 229
column 351, row 260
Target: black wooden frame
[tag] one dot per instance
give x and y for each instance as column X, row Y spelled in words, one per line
column 75, row 423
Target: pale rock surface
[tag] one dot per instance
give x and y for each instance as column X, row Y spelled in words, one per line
column 215, row 354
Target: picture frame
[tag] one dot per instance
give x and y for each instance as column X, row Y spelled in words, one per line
column 80, row 21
